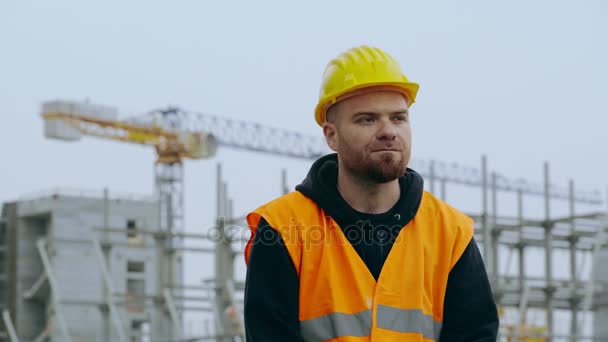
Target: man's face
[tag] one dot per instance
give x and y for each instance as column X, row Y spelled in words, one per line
column 371, row 134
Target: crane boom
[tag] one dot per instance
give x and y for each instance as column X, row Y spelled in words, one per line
column 115, row 130
column 252, row 136
column 244, row 135
column 178, row 133
column 69, row 123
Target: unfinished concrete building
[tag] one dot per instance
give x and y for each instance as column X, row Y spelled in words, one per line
column 63, row 278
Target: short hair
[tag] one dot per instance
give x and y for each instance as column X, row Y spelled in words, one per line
column 330, row 113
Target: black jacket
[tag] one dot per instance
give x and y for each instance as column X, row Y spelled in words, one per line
column 272, row 285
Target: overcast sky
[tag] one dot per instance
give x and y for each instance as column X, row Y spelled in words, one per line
column 520, row 81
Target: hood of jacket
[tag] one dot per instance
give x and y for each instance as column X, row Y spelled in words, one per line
column 320, row 185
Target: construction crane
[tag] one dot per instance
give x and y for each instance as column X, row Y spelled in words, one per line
column 176, row 135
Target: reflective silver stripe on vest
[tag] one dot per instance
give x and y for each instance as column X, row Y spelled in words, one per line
column 407, row 321
column 337, row 324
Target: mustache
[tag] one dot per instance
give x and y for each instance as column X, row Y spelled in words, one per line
column 387, row 147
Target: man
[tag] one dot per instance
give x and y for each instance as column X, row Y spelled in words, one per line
column 359, row 252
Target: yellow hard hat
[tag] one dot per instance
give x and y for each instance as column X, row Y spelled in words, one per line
column 357, row 69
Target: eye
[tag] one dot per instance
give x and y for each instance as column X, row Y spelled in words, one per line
column 366, row 120
column 401, row 118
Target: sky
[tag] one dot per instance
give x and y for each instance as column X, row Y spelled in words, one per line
column 522, row 82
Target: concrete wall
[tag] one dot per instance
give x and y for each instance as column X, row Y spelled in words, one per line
column 31, row 314
column 69, row 223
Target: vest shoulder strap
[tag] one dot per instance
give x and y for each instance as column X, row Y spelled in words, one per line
column 286, row 215
column 460, row 229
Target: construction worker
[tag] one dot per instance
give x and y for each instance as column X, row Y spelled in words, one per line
column 359, row 251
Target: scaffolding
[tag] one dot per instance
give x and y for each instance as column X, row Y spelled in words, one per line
column 511, row 237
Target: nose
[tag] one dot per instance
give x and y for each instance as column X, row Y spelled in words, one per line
column 387, row 130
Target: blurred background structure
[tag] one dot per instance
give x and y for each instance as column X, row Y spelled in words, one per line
column 94, row 266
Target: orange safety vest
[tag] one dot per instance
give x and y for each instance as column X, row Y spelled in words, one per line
column 340, row 300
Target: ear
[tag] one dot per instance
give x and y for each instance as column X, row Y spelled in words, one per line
column 331, row 135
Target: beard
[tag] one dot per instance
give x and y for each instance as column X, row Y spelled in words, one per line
column 383, row 168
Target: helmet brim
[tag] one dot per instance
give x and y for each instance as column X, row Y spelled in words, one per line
column 408, row 89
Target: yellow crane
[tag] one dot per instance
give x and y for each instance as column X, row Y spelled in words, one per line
column 69, row 121
column 177, row 134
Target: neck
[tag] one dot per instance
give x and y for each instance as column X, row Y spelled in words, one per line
column 366, row 196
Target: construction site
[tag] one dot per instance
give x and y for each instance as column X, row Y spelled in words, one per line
column 81, row 265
